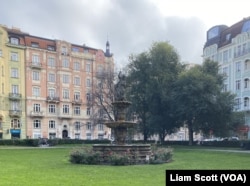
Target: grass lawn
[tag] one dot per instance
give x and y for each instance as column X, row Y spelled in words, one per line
column 50, row 166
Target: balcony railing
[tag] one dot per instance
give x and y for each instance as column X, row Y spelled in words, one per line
column 37, row 65
column 77, row 102
column 53, row 99
column 15, row 96
column 15, row 113
column 37, row 114
column 65, row 115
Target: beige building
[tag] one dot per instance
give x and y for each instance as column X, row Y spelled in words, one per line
column 57, row 82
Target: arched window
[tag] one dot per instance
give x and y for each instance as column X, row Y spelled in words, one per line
column 246, row 102
column 15, row 123
column 246, row 83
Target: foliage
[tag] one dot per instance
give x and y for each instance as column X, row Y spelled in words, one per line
column 150, row 77
column 200, row 102
column 85, row 156
column 88, row 156
column 161, row 155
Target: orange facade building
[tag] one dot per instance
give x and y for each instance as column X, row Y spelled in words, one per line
column 59, row 81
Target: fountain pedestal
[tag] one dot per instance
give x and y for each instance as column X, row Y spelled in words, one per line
column 138, row 153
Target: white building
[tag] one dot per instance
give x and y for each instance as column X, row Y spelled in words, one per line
column 230, row 46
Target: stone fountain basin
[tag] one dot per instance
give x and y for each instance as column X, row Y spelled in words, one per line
column 123, row 124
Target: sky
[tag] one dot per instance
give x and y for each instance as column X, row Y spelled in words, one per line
column 131, row 26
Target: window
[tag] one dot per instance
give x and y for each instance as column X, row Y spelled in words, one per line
column 88, row 136
column 100, row 127
column 52, row 108
column 76, row 95
column 88, row 82
column 238, row 85
column 36, row 91
column 14, row 56
column 51, row 48
column 89, row 126
column 14, row 40
column 88, row 111
column 225, row 71
column 36, row 107
column 36, row 135
column 52, row 77
column 74, row 49
column 64, row 50
column 35, row 59
column 14, row 89
column 52, row 124
column 66, row 78
column 52, row 135
column 77, row 110
column 65, row 109
column 52, row 92
column 14, row 72
column 77, row 125
column 87, row 67
column 15, row 123
column 100, row 136
column 247, row 65
column 51, row 62
column 77, row 66
column 65, row 62
column 65, row 94
column 36, row 75
column 77, row 81
column 88, row 97
column 34, row 44
column 37, row 124
column 246, row 83
column 246, row 102
column 15, row 105
column 237, row 66
column 225, row 56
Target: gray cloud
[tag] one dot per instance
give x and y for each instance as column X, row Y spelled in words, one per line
column 131, row 26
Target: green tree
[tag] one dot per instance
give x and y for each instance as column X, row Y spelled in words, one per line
column 151, row 76
column 200, row 102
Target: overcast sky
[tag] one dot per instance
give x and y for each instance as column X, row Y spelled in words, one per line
column 130, row 25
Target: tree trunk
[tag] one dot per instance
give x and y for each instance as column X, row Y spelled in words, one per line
column 190, row 133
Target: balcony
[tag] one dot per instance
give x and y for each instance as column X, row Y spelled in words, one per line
column 15, row 45
column 53, row 99
column 15, row 113
column 36, row 65
column 15, row 96
column 36, row 114
column 77, row 102
column 65, row 115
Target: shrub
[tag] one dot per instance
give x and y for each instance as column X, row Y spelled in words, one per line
column 161, row 155
column 85, row 156
column 119, row 159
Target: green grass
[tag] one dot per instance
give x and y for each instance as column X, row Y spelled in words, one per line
column 50, row 166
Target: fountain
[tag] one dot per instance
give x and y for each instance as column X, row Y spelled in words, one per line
column 139, row 153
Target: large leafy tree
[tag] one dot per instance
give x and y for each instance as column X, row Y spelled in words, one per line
column 151, row 76
column 200, row 103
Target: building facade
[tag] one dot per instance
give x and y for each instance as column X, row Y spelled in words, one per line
column 230, row 47
column 55, row 82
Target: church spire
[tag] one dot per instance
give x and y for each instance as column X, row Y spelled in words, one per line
column 107, row 53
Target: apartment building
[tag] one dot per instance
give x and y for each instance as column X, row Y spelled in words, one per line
column 12, row 106
column 56, row 81
column 230, row 46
